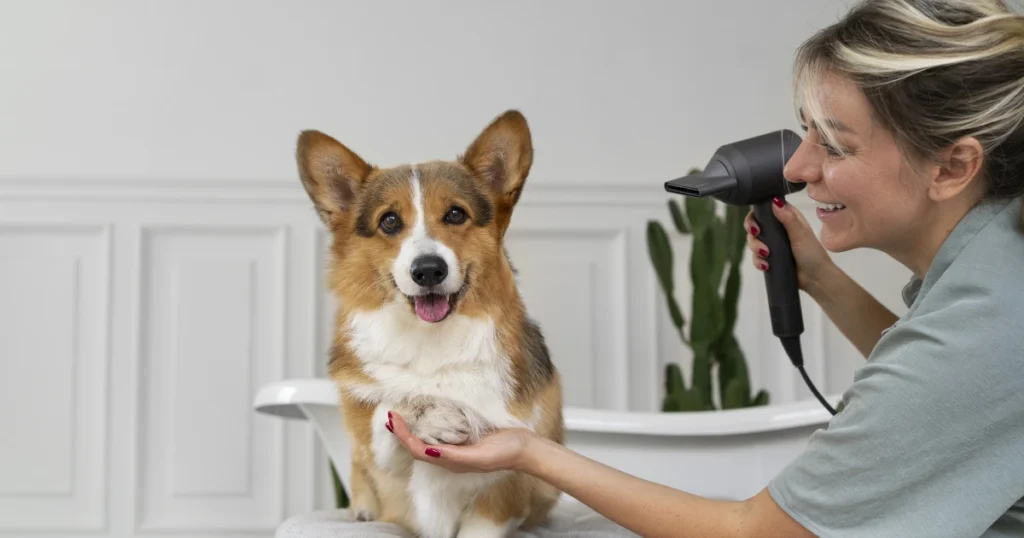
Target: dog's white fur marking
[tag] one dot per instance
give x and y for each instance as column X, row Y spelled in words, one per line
column 419, row 243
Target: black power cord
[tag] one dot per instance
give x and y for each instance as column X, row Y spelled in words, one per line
column 792, row 346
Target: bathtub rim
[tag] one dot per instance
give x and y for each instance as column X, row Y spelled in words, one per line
column 286, row 397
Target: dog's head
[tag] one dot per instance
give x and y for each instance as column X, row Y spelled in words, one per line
column 425, row 233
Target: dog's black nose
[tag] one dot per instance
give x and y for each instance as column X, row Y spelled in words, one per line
column 429, row 270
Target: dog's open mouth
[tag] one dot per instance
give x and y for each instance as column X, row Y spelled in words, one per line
column 435, row 307
column 432, row 307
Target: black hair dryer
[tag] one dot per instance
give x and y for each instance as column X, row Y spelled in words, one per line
column 749, row 173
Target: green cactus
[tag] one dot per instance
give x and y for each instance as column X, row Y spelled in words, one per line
column 340, row 496
column 718, row 246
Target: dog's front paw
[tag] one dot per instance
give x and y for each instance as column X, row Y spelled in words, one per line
column 437, row 421
column 364, row 514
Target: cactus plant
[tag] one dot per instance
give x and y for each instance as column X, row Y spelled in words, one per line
column 718, row 245
column 340, row 496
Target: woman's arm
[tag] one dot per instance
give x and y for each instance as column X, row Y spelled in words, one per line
column 648, row 509
column 854, row 311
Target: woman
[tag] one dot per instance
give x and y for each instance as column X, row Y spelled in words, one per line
column 913, row 112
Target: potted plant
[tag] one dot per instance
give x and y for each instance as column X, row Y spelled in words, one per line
column 718, row 248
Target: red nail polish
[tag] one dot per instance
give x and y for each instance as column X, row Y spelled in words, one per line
column 764, row 267
column 390, row 427
column 753, row 230
column 433, row 452
column 389, row 416
column 778, row 201
column 762, row 252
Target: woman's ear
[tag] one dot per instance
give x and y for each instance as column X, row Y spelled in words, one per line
column 959, row 169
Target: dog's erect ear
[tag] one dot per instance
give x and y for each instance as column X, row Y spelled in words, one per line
column 501, row 156
column 331, row 173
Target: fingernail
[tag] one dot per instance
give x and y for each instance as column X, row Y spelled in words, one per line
column 762, row 252
column 778, row 201
column 754, row 230
column 764, row 267
column 389, row 416
column 390, row 427
column 433, row 452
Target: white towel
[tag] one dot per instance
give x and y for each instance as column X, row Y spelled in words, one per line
column 569, row 519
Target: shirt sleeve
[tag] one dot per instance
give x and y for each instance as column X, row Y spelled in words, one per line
column 931, row 441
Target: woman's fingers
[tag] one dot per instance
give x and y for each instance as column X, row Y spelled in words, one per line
column 758, row 249
column 413, row 444
column 750, row 224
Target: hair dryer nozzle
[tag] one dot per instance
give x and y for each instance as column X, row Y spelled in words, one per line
column 744, row 172
column 698, row 185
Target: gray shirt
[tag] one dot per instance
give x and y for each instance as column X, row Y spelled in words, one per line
column 931, row 440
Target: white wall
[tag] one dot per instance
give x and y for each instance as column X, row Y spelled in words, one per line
column 155, row 141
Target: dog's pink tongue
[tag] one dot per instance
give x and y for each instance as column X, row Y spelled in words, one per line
column 432, row 308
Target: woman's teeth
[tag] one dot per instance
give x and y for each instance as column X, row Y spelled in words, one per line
column 830, row 207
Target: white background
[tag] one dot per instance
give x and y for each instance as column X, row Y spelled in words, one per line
column 159, row 261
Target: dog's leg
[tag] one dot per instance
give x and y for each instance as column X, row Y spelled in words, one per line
column 499, row 509
column 438, row 500
column 440, row 497
column 543, row 498
column 364, row 503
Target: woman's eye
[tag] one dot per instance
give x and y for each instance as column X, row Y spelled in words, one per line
column 831, row 150
column 455, row 216
column 390, row 223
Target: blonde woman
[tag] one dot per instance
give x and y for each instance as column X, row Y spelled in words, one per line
column 915, row 147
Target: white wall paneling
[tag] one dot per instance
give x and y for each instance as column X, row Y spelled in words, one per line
column 54, row 364
column 212, row 331
column 138, row 319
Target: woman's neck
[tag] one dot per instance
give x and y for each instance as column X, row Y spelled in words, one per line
column 918, row 252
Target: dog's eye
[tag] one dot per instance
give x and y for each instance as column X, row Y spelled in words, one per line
column 390, row 223
column 455, row 215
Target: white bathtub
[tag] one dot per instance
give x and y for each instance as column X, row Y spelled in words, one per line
column 721, row 454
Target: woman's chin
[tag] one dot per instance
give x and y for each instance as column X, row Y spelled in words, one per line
column 836, row 243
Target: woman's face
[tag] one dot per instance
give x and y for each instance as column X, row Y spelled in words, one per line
column 882, row 200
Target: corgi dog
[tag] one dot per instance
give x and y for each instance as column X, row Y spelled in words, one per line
column 430, row 324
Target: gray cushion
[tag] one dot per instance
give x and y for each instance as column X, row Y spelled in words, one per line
column 568, row 520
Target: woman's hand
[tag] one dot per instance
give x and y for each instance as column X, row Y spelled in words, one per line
column 501, row 450
column 811, row 258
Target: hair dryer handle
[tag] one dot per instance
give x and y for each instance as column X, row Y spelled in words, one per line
column 780, row 278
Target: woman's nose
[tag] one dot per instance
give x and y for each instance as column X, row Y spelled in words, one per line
column 804, row 165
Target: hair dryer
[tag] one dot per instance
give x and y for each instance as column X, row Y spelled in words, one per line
column 749, row 172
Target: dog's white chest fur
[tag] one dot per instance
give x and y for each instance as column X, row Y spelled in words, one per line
column 458, row 359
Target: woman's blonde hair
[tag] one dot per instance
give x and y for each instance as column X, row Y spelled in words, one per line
column 933, row 71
